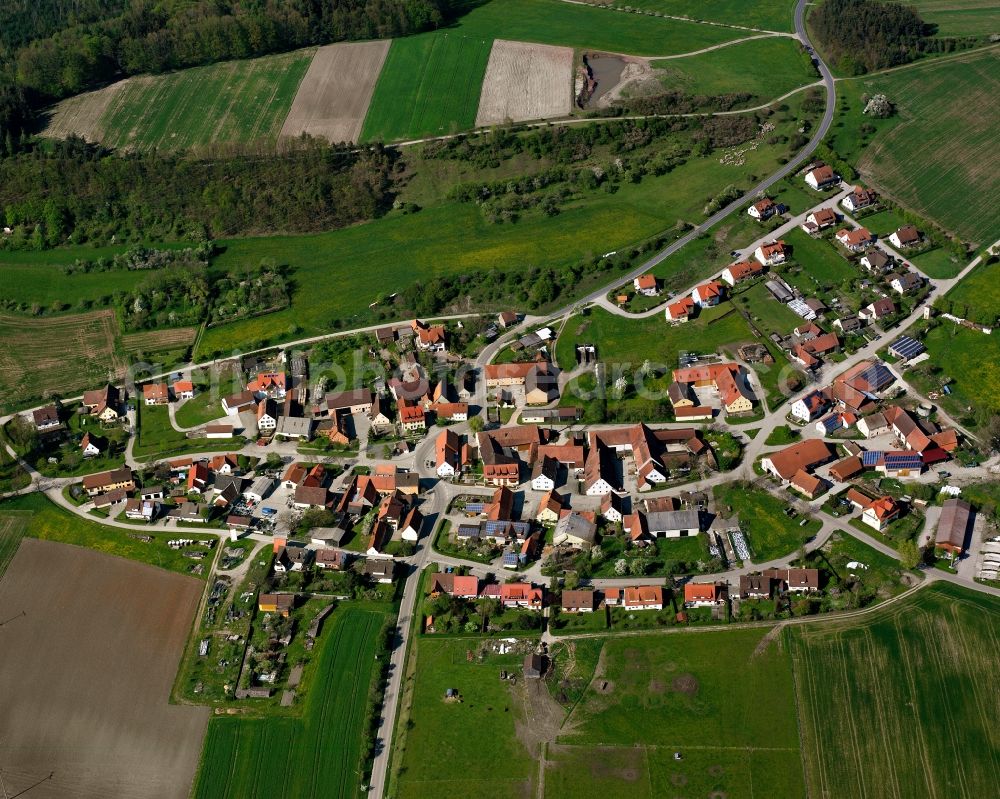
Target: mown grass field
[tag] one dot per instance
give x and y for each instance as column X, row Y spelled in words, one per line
column 897, row 704
column 620, row 340
column 775, row 15
column 770, row 533
column 939, row 263
column 937, row 156
column 35, row 277
column 37, row 517
column 556, row 22
column 429, row 86
column 157, row 438
column 320, row 750
column 766, row 68
column 822, row 265
column 60, row 354
column 230, row 102
column 960, row 17
column 457, row 746
column 979, row 290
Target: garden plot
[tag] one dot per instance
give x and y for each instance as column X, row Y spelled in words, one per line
column 333, row 98
column 526, row 81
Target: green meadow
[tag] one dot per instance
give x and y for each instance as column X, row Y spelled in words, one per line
column 775, row 15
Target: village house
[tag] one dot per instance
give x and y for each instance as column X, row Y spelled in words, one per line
column 843, row 470
column 756, row 586
column 876, row 261
column 906, row 236
column 809, row 407
column 46, row 420
column 412, row 418
column 646, row 285
column 702, row 595
column 267, row 416
column 763, row 209
column 796, row 581
column 818, row 220
column 807, row 484
column 545, row 474
column 183, row 389
column 855, row 240
column 859, row 198
column 575, row 529
column 95, row 484
column 282, row 604
column 707, row 294
column 802, row 456
column 104, row 403
column 729, row 379
column 522, row 595
column 771, row 252
column 380, row 414
column 91, row 446
column 877, row 513
column 878, row 310
column 268, row 385
column 430, row 338
column 141, row 510
column 237, row 403
column 742, row 270
column 643, row 597
column 905, row 282
column 550, row 508
column 851, row 323
column 577, row 601
column 821, row 177
column 451, row 455
column 156, row 393
column 507, row 319
column 680, row 311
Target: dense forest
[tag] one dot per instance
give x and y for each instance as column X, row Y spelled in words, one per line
column 78, row 192
column 862, row 36
column 55, row 49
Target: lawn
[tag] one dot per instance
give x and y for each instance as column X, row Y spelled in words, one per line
column 156, row 437
column 915, row 669
column 764, row 68
column 882, row 223
column 972, row 362
column 204, row 407
column 556, row 22
column 823, row 268
column 229, row 102
column 775, row 15
column 939, row 263
column 770, row 532
column 32, row 277
column 49, row 522
column 937, row 155
column 322, row 748
column 429, row 86
column 456, row 747
column 978, row 292
column 631, row 342
column 767, row 313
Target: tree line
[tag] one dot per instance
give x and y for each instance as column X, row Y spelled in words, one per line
column 862, row 36
column 75, row 192
column 63, row 47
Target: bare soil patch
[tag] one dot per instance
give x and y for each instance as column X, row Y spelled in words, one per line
column 81, row 115
column 685, row 684
column 159, row 340
column 333, row 98
column 526, row 81
column 85, row 676
column 539, row 718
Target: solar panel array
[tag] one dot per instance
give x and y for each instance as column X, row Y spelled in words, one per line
column 906, row 347
column 903, row 461
column 870, row 458
column 877, row 377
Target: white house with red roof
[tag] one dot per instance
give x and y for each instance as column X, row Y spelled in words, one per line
column 740, row 271
column 771, row 252
column 763, row 209
column 821, row 177
column 855, row 240
column 680, row 311
column 708, row 294
column 646, row 285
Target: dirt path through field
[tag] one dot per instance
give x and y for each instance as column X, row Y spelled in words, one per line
column 333, row 98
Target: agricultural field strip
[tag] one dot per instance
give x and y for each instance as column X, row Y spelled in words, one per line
column 525, row 81
column 333, row 98
column 681, row 18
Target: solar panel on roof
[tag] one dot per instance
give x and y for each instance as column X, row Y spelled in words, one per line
column 475, row 507
column 869, row 458
column 902, row 461
column 907, row 347
column 877, row 376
